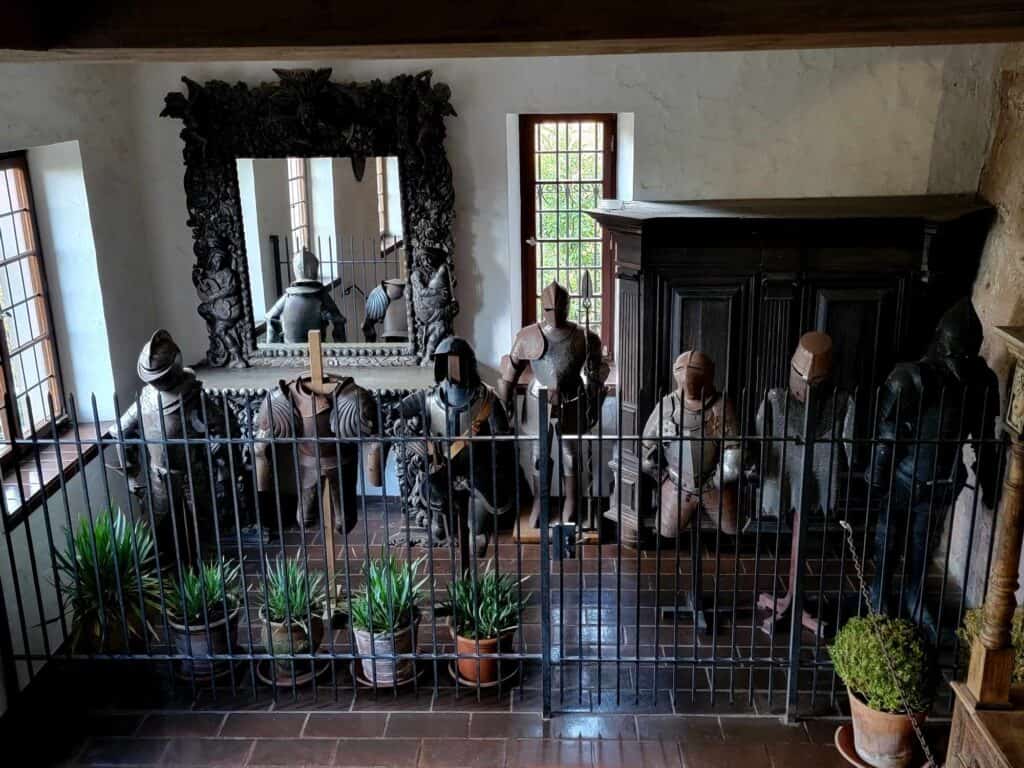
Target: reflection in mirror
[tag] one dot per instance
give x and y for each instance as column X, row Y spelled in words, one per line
column 323, row 241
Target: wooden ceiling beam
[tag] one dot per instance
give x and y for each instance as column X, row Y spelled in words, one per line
column 314, row 29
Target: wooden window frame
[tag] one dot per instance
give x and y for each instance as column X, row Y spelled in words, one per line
column 528, row 209
column 10, row 416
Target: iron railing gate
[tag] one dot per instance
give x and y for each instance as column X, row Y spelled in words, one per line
column 601, row 626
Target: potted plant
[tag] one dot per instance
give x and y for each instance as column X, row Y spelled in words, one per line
column 202, row 611
column 384, row 618
column 884, row 697
column 294, row 600
column 973, row 620
column 484, row 619
column 108, row 579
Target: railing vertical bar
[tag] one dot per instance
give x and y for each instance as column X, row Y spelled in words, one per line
column 544, row 488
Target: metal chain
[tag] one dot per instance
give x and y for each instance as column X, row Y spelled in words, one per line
column 878, row 635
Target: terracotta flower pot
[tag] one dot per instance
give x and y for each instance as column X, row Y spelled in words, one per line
column 294, row 637
column 197, row 640
column 883, row 739
column 384, row 670
column 482, row 671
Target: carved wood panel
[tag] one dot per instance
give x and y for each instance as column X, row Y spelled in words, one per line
column 306, row 114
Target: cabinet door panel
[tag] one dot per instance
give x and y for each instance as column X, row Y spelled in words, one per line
column 862, row 321
column 709, row 318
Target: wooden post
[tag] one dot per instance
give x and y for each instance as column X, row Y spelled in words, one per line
column 991, row 668
column 319, row 386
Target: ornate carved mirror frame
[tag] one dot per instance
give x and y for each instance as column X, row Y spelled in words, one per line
column 305, row 114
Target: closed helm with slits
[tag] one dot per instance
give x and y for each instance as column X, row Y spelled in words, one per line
column 694, row 373
column 554, row 301
column 811, row 365
column 455, row 362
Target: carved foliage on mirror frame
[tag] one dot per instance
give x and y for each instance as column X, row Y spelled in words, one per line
column 305, row 114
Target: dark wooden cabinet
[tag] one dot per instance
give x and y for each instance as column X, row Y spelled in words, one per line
column 741, row 280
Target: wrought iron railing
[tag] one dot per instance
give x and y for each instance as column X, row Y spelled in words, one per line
column 674, row 622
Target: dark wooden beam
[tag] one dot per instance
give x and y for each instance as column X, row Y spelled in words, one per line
column 314, row 28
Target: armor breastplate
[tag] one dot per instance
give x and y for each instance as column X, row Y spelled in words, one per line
column 782, row 472
column 459, row 420
column 171, row 424
column 939, row 398
column 560, row 365
column 690, row 461
column 302, row 313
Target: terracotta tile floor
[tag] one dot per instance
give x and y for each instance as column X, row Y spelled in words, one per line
column 452, row 740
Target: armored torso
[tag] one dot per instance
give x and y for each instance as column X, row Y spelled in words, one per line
column 448, row 419
column 691, row 440
column 293, row 407
column 781, row 473
column 557, row 357
column 173, row 415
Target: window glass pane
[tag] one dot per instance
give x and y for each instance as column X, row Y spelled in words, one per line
column 546, row 137
column 5, row 203
column 570, row 153
column 8, row 241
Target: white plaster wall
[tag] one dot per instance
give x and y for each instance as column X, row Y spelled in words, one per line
column 44, row 104
column 69, row 253
column 785, row 123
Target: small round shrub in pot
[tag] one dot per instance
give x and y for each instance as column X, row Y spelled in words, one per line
column 294, row 599
column 484, row 619
column 882, row 731
column 107, row 574
column 202, row 612
column 384, row 618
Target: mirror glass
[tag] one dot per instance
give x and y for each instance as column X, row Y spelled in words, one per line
column 323, row 241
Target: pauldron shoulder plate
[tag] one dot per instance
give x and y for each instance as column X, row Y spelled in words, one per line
column 530, row 343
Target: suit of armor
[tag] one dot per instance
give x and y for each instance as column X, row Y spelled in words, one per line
column 695, row 453
column 468, row 479
column 306, row 306
column 927, row 410
column 171, row 407
column 781, row 421
column 566, row 359
column 297, row 466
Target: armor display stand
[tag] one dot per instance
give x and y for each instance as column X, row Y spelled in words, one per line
column 317, row 385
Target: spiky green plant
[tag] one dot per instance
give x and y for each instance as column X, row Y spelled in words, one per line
column 486, row 609
column 213, row 587
column 293, row 592
column 857, row 655
column 387, row 601
column 108, row 566
column 973, row 621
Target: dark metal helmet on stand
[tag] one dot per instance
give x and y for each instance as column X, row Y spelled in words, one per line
column 455, row 362
column 811, row 364
column 160, row 360
column 959, row 332
column 554, row 304
column 306, row 271
column 694, row 373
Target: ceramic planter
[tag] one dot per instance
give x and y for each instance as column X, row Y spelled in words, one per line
column 386, row 671
column 883, row 739
column 199, row 640
column 482, row 671
column 291, row 637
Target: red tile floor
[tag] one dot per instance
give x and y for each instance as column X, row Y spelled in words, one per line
column 447, row 738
